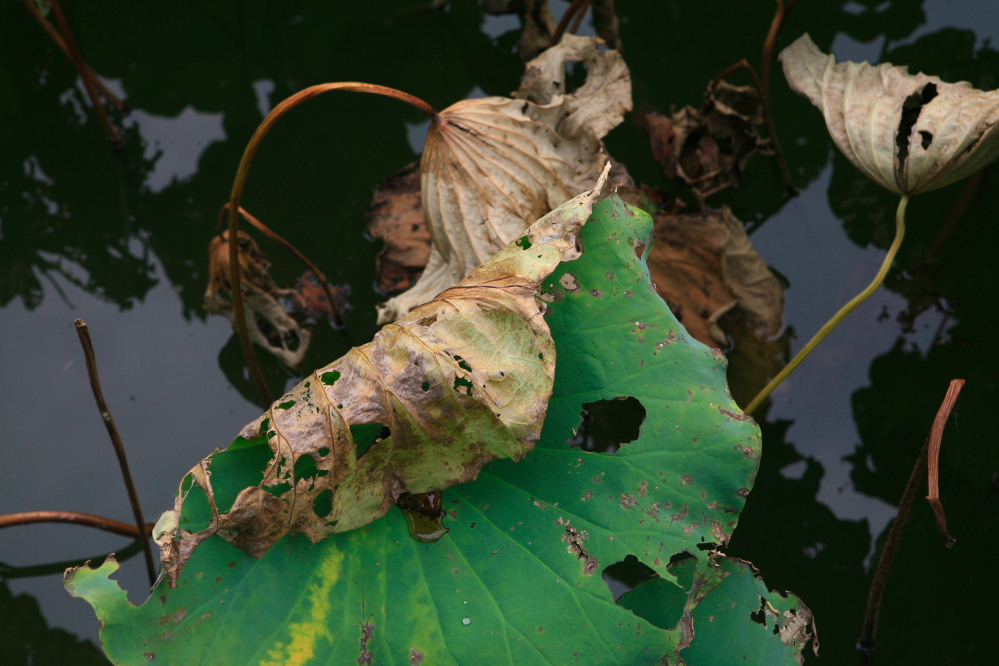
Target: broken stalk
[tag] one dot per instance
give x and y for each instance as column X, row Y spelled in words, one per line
column 119, row 448
column 927, row 459
column 843, row 311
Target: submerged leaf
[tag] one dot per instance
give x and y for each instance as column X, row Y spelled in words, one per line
column 908, row 132
column 704, row 265
column 493, row 165
column 460, row 381
column 267, row 319
column 396, row 217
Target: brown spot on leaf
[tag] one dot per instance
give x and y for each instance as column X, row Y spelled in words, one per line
column 718, row 532
column 735, row 416
column 568, row 282
column 576, row 540
column 415, row 656
column 366, row 657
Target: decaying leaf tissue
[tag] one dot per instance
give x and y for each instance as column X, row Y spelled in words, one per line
column 458, row 382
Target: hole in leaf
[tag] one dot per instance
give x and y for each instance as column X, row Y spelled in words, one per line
column 425, row 386
column 366, row 435
column 523, row 241
column 462, row 383
column 305, row 468
column 607, row 425
column 575, row 76
column 279, row 489
column 329, row 378
column 911, row 108
column 323, row 452
column 759, row 616
column 658, row 600
column 927, row 138
column 463, row 364
column 622, row 576
column 323, row 503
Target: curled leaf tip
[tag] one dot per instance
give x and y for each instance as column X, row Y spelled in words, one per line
column 910, row 133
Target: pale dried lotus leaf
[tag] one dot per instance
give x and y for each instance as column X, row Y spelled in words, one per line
column 493, row 165
column 909, row 132
column 458, row 382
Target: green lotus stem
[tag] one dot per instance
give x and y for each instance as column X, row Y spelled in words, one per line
column 843, row 311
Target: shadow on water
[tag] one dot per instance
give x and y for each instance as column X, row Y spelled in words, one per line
column 122, row 239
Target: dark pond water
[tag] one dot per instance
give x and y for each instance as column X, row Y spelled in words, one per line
column 120, row 241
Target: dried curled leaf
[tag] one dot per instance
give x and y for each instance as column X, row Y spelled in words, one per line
column 267, row 320
column 493, row 165
column 460, row 381
column 709, row 149
column 908, row 132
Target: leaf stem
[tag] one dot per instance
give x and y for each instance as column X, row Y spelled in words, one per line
column 575, row 10
column 843, row 311
column 239, row 184
column 75, row 517
column 119, row 448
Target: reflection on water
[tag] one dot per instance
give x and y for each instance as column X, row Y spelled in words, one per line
column 174, row 145
column 120, row 240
